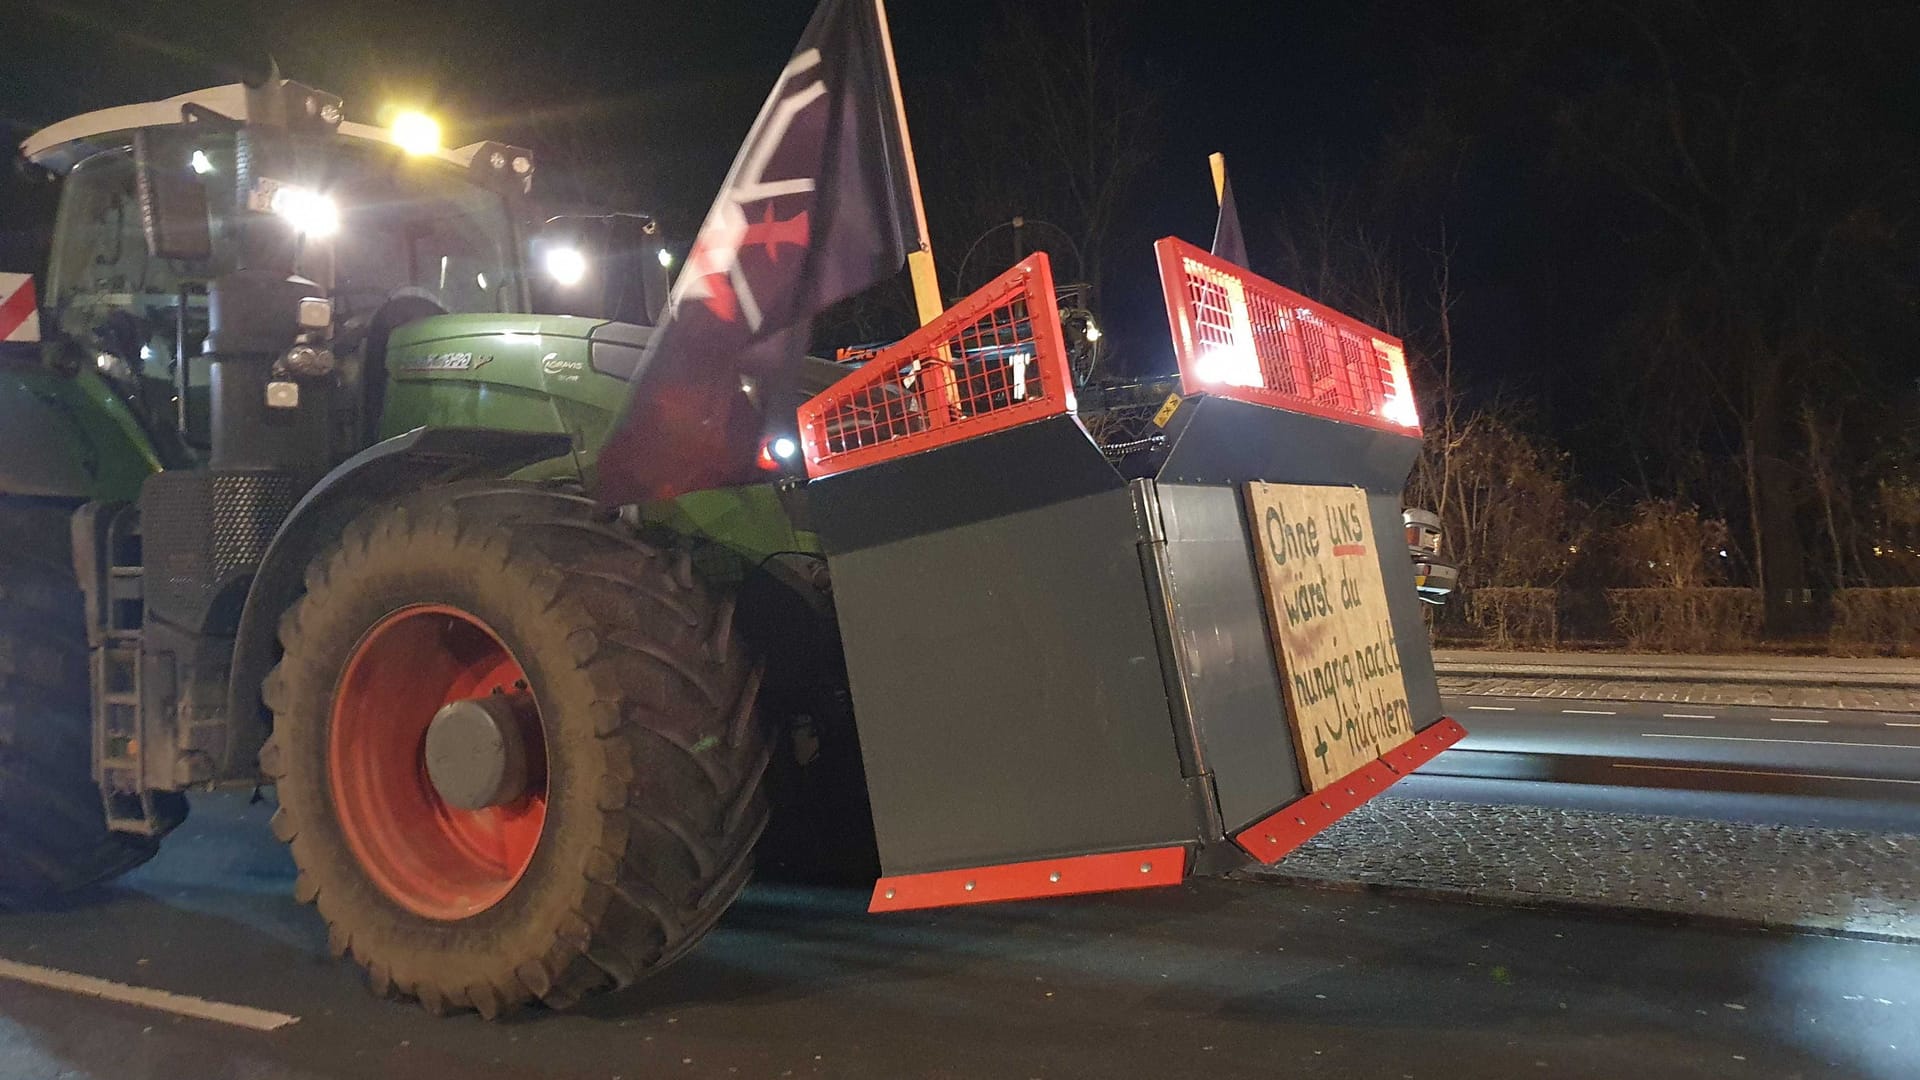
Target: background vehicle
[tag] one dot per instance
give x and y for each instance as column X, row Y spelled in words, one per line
column 1434, row 575
column 294, row 487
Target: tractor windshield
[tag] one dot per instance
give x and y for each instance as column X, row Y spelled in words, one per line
column 406, row 227
column 399, row 228
column 409, row 227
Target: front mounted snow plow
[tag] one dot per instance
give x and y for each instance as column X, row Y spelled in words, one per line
column 1080, row 668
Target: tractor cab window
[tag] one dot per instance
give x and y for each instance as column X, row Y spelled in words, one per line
column 131, row 314
column 410, row 227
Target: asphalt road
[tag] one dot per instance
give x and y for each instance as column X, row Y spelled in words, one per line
column 1869, row 760
column 1216, row 979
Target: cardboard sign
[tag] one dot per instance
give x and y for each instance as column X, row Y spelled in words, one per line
column 1327, row 612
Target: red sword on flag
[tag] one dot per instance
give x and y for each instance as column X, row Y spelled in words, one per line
column 769, row 232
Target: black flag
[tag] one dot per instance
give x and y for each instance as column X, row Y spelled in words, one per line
column 816, row 207
column 1228, row 244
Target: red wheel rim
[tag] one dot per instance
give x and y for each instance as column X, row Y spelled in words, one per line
column 429, row 857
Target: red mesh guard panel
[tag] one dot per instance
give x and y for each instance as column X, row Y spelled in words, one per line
column 1238, row 335
column 993, row 361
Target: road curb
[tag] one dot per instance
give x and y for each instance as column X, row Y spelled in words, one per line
column 1534, row 902
column 1871, row 680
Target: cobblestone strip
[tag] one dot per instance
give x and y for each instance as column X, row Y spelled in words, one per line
column 1833, row 881
column 1880, row 698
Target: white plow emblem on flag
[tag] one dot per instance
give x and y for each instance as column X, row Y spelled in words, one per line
column 713, row 275
column 19, row 313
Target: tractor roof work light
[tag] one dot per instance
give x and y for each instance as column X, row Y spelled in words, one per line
column 415, row 132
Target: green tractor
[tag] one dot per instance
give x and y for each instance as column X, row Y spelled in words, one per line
column 292, row 466
column 297, row 447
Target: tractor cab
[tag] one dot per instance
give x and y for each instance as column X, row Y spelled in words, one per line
column 316, row 236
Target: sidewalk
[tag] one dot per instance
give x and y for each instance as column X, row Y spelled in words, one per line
column 1659, row 667
column 1801, row 682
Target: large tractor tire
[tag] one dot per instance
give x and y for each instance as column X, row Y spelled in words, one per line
column 516, row 749
column 53, row 834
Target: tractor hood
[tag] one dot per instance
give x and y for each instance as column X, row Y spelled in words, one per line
column 443, row 327
column 557, row 373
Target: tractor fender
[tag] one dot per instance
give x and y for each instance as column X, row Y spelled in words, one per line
column 65, row 436
column 36, row 455
column 423, row 457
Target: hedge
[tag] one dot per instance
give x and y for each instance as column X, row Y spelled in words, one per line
column 1687, row 620
column 1876, row 621
column 1507, row 616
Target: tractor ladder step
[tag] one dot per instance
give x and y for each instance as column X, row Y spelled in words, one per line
column 119, row 722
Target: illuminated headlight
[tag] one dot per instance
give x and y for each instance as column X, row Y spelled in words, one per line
column 566, row 265
column 1093, row 330
column 200, row 162
column 777, row 454
column 1399, row 409
column 666, row 258
column 1229, row 366
column 309, row 212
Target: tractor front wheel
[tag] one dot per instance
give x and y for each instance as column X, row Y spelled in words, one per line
column 515, row 748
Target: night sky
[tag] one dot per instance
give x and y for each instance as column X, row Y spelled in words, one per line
column 1413, row 121
column 659, row 94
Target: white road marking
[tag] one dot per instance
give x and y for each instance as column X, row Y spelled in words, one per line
column 1900, row 723
column 1490, row 708
column 1687, row 716
column 1795, row 720
column 1786, row 742
column 219, row 1012
column 1588, row 712
column 1763, row 772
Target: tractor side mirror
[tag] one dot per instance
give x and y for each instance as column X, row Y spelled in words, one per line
column 173, row 197
column 650, row 292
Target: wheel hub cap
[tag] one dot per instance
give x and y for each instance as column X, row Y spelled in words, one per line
column 476, row 750
column 437, row 762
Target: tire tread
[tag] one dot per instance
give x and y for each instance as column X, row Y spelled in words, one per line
column 53, row 833
column 681, row 805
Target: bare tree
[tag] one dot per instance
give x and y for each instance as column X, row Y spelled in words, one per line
column 1765, row 198
column 1059, row 125
column 1821, row 456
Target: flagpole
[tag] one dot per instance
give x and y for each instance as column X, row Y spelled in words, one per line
column 1218, row 163
column 926, row 283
